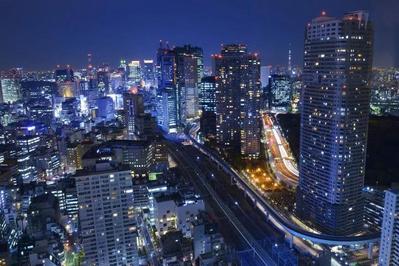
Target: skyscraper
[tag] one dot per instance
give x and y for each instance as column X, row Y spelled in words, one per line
column 189, row 72
column 206, row 95
column 134, row 72
column 167, row 110
column 389, row 247
column 133, row 106
column 289, row 66
column 167, row 94
column 65, row 82
column 25, row 155
column 280, row 92
column 238, row 97
column 105, row 109
column 10, row 87
column 148, row 72
column 264, row 75
column 334, row 120
column 106, row 218
column 207, row 103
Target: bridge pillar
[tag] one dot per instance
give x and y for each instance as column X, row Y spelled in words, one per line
column 370, row 251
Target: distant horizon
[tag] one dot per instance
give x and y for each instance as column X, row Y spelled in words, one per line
column 74, row 68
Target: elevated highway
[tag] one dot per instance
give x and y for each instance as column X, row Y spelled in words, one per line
column 274, row 216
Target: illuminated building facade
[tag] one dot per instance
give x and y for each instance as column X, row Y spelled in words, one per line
column 10, row 87
column 280, row 92
column 207, row 103
column 105, row 109
column 106, row 218
column 389, row 247
column 189, row 72
column 148, row 72
column 207, row 100
column 334, row 120
column 134, row 72
column 238, row 100
column 25, row 157
column 167, row 94
column 133, row 106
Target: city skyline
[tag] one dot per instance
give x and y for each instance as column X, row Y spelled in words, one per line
column 111, row 32
column 128, row 153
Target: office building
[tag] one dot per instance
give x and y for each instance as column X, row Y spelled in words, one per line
column 238, row 97
column 148, row 72
column 66, row 84
column 134, row 73
column 65, row 191
column 389, row 244
column 133, row 106
column 107, row 224
column 26, row 147
column 206, row 95
column 10, row 90
column 207, row 104
column 280, row 92
column 38, row 89
column 265, row 72
column 117, row 81
column 74, row 153
column 334, row 120
column 137, row 154
column 10, row 86
column 64, row 74
column 189, row 72
column 167, row 94
column 105, row 109
column 373, row 208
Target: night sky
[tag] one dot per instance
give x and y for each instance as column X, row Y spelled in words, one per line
column 39, row 34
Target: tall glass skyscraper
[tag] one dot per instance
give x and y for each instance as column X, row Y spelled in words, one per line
column 133, row 106
column 238, row 97
column 389, row 247
column 206, row 94
column 10, row 87
column 167, row 94
column 334, row 120
column 148, row 72
column 135, row 72
column 189, row 72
